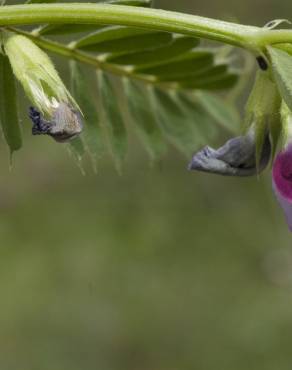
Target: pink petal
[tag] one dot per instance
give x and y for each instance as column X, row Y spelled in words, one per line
column 286, row 206
column 282, row 182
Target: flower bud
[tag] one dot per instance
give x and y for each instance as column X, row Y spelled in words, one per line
column 249, row 154
column 237, row 157
column 262, row 112
column 56, row 113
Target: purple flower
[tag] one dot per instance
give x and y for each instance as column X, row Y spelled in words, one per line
column 237, row 157
column 282, row 182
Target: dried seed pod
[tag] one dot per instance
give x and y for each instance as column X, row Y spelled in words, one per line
column 65, row 124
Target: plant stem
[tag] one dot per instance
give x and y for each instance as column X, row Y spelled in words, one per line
column 156, row 19
column 252, row 38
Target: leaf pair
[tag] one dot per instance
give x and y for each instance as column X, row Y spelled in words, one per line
column 160, row 57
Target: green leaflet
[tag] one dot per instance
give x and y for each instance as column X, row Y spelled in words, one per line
column 179, row 45
column 121, row 39
column 77, row 150
column 198, row 74
column 109, row 34
column 113, row 120
column 92, row 133
column 282, row 69
column 144, row 118
column 178, row 126
column 221, row 111
column 8, row 107
column 204, row 125
column 180, row 65
column 224, row 81
column 66, row 29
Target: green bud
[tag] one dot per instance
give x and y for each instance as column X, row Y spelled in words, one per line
column 56, row 113
column 36, row 73
column 263, row 112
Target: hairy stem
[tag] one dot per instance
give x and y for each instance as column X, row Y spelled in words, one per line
column 252, row 38
column 156, row 19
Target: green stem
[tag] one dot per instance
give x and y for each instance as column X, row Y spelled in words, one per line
column 248, row 37
column 156, row 19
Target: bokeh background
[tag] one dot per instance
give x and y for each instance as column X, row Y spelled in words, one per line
column 157, row 269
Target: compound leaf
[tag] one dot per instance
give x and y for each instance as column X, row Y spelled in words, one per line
column 144, row 118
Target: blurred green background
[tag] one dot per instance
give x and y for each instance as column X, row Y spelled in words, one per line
column 158, row 269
